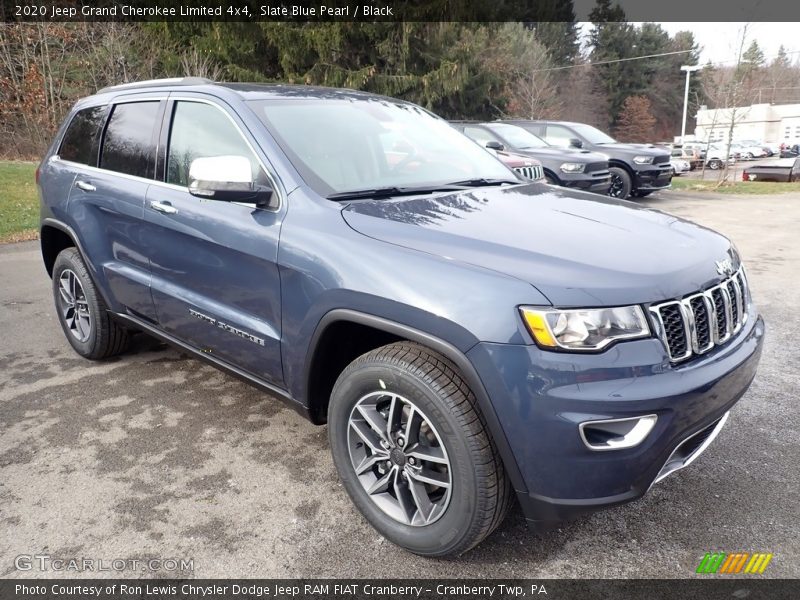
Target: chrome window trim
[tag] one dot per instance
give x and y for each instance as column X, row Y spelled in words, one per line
column 278, row 189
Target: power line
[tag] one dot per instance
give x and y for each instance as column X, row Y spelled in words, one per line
column 608, row 62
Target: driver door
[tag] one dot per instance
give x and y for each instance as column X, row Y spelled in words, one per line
column 215, row 280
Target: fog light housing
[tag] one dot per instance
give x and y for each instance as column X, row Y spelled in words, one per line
column 616, row 434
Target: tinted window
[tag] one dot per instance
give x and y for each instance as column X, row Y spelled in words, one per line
column 558, row 136
column 128, row 145
column 480, row 135
column 80, row 141
column 200, row 131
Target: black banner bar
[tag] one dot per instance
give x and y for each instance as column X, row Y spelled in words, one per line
column 365, row 11
column 707, row 588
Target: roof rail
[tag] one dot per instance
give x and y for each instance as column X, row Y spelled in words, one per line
column 156, row 83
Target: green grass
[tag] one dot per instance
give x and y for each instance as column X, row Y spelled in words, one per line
column 19, row 202
column 734, row 187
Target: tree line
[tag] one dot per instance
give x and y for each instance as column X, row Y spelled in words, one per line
column 458, row 70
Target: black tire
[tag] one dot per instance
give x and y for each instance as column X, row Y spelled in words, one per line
column 715, row 164
column 104, row 337
column 480, row 494
column 621, row 185
column 551, row 179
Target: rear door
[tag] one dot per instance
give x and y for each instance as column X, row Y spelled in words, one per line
column 214, row 264
column 107, row 200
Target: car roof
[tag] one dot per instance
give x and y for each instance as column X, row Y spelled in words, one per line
column 247, row 91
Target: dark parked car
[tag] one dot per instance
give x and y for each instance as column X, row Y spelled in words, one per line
column 636, row 169
column 790, row 151
column 467, row 336
column 566, row 167
column 784, row 169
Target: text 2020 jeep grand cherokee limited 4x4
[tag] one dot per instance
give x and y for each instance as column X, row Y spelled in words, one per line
column 467, row 336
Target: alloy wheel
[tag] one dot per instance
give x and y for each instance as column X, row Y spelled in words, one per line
column 399, row 458
column 74, row 306
column 617, row 186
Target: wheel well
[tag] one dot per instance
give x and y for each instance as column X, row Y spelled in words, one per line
column 53, row 241
column 621, row 165
column 551, row 174
column 339, row 345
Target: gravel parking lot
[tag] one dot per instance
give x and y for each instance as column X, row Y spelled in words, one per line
column 157, row 455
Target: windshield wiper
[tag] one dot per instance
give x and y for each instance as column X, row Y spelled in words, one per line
column 389, row 192
column 481, row 182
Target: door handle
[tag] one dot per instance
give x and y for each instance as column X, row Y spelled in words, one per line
column 163, row 207
column 85, row 186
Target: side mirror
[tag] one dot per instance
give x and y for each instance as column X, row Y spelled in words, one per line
column 228, row 179
column 575, row 143
column 495, row 145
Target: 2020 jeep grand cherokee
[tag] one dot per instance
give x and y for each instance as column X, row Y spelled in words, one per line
column 464, row 333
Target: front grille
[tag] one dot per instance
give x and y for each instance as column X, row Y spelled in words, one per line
column 696, row 323
column 598, row 166
column 661, row 158
column 534, row 173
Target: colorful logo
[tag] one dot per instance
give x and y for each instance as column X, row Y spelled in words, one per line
column 733, row 563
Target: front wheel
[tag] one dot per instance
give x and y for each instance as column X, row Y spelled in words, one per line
column 715, row 164
column 413, row 453
column 620, row 183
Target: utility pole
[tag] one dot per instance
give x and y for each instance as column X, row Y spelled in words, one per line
column 688, row 69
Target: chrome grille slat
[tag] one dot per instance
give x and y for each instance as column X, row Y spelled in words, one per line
column 534, row 172
column 697, row 323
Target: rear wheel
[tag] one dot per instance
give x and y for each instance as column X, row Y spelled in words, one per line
column 413, row 452
column 620, row 183
column 714, row 164
column 83, row 314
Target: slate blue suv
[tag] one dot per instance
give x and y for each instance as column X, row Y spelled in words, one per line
column 467, row 336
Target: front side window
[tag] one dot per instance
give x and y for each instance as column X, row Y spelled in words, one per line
column 480, row 135
column 201, row 130
column 341, row 144
column 558, row 136
column 80, row 140
column 592, row 134
column 128, row 145
column 518, row 137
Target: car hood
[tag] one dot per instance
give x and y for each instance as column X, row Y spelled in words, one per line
column 632, row 149
column 569, row 154
column 577, row 249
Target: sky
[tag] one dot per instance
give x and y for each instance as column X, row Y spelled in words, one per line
column 720, row 41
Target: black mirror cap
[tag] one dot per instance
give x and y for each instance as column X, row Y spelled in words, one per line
column 575, row 143
column 494, row 145
column 225, row 191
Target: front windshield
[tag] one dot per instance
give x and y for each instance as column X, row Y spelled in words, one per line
column 345, row 144
column 517, row 137
column 593, row 135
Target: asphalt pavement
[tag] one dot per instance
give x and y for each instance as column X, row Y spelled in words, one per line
column 156, row 455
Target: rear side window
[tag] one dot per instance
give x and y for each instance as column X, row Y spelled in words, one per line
column 129, row 145
column 80, row 141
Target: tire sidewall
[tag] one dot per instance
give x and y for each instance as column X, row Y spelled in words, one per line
column 626, row 182
column 70, row 259
column 448, row 531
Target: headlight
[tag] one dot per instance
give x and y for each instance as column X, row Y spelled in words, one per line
column 573, row 167
column 643, row 160
column 585, row 329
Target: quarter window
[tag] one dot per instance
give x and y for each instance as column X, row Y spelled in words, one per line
column 201, row 130
column 80, row 140
column 129, row 145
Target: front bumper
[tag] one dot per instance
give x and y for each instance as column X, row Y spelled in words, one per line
column 597, row 182
column 653, row 178
column 541, row 397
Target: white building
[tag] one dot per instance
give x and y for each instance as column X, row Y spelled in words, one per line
column 763, row 122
